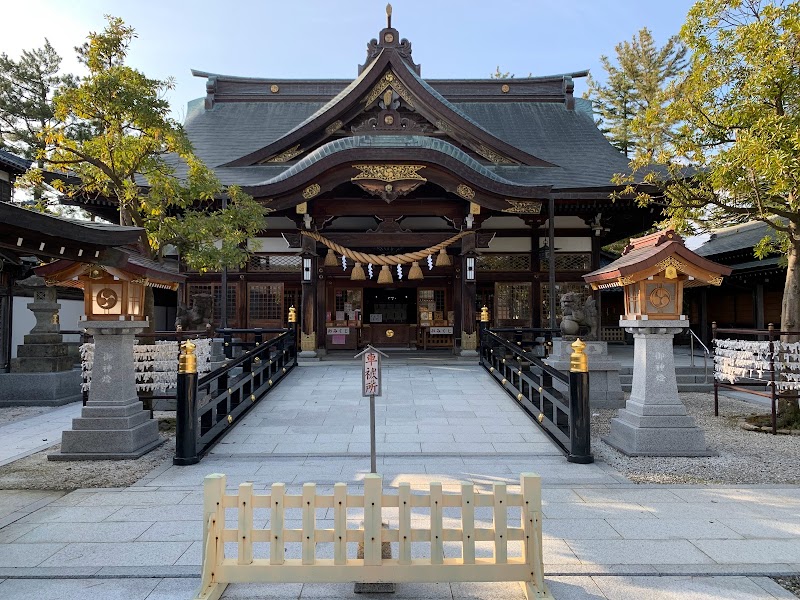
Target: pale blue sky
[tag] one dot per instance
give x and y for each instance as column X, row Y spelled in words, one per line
column 327, row 39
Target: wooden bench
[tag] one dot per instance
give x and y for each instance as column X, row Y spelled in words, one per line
column 219, row 570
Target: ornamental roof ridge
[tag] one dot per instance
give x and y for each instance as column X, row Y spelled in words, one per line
column 387, row 71
column 389, row 39
column 405, row 141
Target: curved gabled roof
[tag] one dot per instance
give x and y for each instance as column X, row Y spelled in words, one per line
column 531, row 131
column 348, row 103
column 386, row 141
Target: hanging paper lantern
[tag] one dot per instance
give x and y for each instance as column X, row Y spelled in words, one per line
column 358, row 273
column 415, row 272
column 385, row 276
column 330, row 259
column 443, row 259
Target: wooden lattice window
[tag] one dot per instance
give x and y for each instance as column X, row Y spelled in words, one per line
column 265, row 302
column 569, row 261
column 432, row 300
column 513, row 304
column 281, row 263
column 215, row 289
column 503, row 262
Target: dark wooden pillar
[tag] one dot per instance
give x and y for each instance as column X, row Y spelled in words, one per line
column 308, row 298
column 598, row 295
column 551, row 242
column 758, row 306
column 469, row 293
column 536, row 307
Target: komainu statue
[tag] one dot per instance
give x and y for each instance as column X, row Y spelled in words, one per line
column 578, row 315
column 196, row 317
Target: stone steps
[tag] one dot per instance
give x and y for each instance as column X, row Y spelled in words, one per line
column 690, row 379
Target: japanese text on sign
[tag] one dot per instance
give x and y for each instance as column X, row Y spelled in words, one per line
column 371, row 376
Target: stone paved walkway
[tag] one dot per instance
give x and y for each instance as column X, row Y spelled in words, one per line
column 448, row 409
column 603, row 536
column 26, row 436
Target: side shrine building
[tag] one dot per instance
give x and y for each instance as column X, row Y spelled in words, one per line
column 398, row 205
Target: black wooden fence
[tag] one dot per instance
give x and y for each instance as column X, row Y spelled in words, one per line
column 561, row 410
column 208, row 406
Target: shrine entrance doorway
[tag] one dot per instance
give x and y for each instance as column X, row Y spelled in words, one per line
column 406, row 314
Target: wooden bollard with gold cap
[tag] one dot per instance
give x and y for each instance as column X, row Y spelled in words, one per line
column 482, row 327
column 293, row 324
column 579, row 413
column 186, row 414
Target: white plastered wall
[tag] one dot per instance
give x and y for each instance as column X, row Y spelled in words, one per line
column 23, row 320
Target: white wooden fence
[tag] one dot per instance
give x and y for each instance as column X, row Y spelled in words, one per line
column 219, row 570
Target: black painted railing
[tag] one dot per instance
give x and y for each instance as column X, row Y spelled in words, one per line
column 208, row 406
column 558, row 402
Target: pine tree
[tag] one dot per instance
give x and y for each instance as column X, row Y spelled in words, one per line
column 27, row 88
column 636, row 84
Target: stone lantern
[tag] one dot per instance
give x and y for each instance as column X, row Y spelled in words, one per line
column 653, row 272
column 109, row 298
column 113, row 423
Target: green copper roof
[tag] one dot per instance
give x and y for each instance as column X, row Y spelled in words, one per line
column 388, row 141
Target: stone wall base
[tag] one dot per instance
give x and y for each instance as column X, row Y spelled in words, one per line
column 605, row 388
column 40, row 389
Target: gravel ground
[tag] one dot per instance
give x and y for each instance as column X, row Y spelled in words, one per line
column 35, row 472
column 9, row 414
column 790, row 583
column 744, row 457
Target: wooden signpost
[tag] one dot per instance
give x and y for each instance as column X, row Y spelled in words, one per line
column 371, row 386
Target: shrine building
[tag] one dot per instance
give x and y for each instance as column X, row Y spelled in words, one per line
column 399, row 205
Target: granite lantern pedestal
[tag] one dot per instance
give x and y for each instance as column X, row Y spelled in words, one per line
column 654, row 421
column 113, row 424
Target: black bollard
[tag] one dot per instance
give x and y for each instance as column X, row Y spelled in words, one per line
column 579, row 415
column 186, row 416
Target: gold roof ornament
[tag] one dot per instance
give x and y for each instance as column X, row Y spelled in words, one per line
column 388, row 16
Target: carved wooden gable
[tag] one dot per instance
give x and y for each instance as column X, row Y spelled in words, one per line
column 389, row 98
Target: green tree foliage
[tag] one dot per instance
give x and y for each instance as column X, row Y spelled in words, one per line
column 111, row 136
column 27, row 88
column 736, row 151
column 636, row 84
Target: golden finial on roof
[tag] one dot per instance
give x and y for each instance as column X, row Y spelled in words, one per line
column 389, row 16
